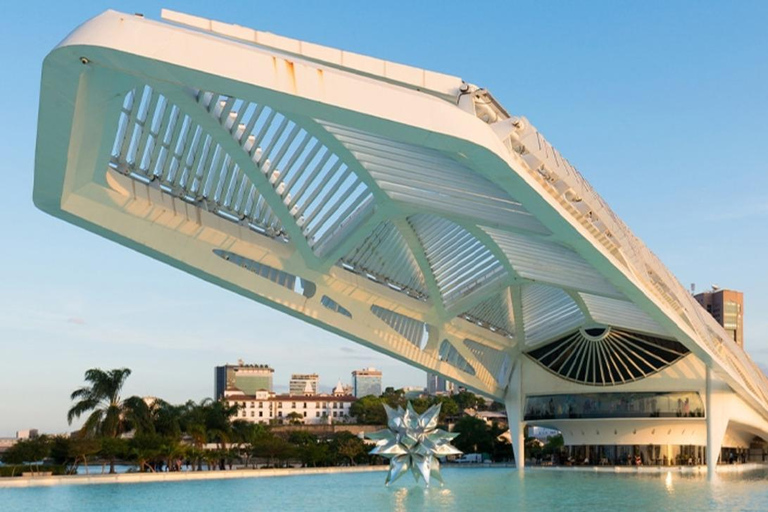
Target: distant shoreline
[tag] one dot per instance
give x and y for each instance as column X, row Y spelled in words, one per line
column 185, row 476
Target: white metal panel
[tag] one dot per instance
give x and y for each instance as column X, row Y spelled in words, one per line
column 409, row 328
column 461, row 264
column 385, row 255
column 450, row 354
column 495, row 361
column 322, row 193
column 432, row 180
column 495, row 313
column 548, row 312
column 155, row 142
column 550, row 263
column 620, row 313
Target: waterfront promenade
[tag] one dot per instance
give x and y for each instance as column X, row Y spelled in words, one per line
column 187, row 476
column 176, row 476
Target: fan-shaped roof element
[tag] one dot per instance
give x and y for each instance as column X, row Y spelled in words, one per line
column 606, row 356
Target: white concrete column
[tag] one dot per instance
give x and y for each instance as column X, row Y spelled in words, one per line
column 717, row 423
column 711, row 457
column 514, row 402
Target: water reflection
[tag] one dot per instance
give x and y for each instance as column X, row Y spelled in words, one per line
column 417, row 498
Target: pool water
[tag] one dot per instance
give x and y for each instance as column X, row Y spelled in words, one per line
column 474, row 489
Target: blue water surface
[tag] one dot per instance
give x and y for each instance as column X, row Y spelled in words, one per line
column 475, row 489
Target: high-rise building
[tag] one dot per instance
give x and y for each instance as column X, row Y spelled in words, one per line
column 303, row 384
column 727, row 307
column 248, row 378
column 439, row 385
column 366, row 382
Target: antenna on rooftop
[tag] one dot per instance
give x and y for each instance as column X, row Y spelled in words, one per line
column 693, row 288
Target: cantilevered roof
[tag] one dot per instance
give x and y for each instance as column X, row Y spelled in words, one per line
column 404, row 209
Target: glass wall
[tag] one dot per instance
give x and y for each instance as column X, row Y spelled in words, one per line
column 614, row 405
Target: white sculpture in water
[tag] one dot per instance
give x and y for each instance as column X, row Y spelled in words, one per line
column 414, row 442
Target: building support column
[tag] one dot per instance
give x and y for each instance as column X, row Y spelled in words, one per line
column 717, row 422
column 514, row 401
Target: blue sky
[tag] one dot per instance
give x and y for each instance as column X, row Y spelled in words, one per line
column 661, row 105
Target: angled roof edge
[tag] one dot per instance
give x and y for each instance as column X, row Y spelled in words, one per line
column 439, row 84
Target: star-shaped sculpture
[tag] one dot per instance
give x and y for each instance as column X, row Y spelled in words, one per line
column 414, row 442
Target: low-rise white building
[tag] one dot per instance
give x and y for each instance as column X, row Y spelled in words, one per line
column 267, row 407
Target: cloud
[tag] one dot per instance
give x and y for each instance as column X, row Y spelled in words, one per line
column 76, row 320
column 348, row 350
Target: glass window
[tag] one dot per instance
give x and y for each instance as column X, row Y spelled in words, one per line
column 615, row 405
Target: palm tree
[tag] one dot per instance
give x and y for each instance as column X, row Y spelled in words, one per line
column 102, row 399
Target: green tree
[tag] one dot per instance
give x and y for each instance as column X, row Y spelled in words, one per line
column 466, row 400
column 218, row 421
column 101, row 398
column 369, row 410
column 193, row 422
column 348, row 446
column 393, row 397
column 272, row 447
column 475, row 436
column 448, row 407
column 145, row 449
column 110, row 448
column 29, row 451
column 295, row 418
column 245, row 434
column 554, row 444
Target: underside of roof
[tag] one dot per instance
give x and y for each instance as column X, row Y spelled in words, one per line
column 403, row 209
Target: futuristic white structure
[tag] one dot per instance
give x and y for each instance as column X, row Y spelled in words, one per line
column 403, row 209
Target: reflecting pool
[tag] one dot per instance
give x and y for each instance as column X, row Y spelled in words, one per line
column 486, row 489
